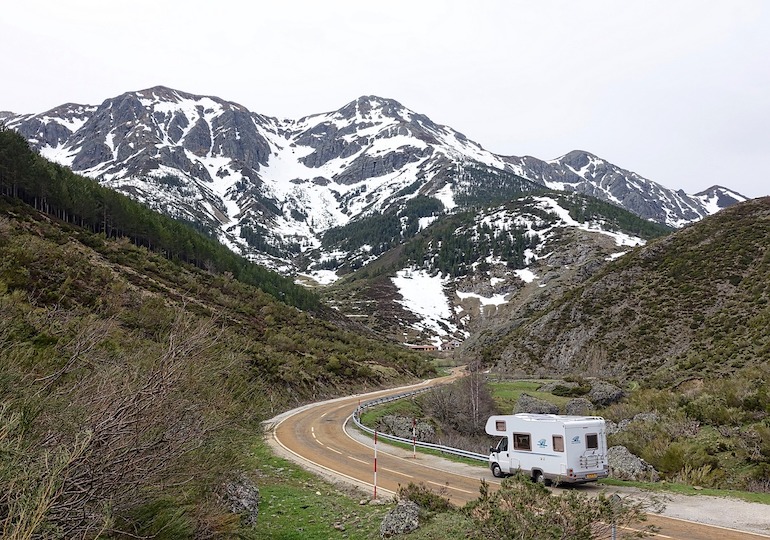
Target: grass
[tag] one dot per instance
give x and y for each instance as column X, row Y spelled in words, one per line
column 401, row 407
column 298, row 505
column 507, row 393
column 295, row 504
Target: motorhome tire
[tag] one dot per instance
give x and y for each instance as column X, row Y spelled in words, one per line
column 538, row 478
column 496, row 471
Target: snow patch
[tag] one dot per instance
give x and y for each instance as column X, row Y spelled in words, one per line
column 494, row 300
column 621, row 239
column 526, row 275
column 323, row 277
column 424, row 296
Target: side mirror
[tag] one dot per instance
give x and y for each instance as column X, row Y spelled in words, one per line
column 492, row 449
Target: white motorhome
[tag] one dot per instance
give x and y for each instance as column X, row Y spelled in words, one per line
column 551, row 448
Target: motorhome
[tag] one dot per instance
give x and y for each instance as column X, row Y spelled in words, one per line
column 550, row 448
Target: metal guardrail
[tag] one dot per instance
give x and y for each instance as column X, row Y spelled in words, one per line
column 440, row 448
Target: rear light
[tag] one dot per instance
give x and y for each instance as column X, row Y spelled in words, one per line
column 570, row 473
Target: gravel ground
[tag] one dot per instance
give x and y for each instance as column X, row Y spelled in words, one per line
column 723, row 512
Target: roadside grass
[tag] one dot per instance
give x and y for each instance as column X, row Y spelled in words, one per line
column 296, row 504
column 452, row 524
column 445, row 363
column 401, row 407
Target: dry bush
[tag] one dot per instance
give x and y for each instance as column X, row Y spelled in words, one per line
column 110, row 430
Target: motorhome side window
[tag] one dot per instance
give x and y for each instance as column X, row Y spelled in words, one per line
column 558, row 443
column 522, row 441
column 592, row 441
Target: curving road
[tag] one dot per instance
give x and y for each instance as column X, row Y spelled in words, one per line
column 316, row 437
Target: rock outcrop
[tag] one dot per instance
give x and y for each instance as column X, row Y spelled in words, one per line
column 401, row 426
column 404, row 518
column 579, row 407
column 531, row 404
column 242, row 497
column 603, row 393
column 626, row 466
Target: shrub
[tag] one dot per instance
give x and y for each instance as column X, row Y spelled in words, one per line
column 705, row 475
column 522, row 509
column 423, row 497
column 566, row 391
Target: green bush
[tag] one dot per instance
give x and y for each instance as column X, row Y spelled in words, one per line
column 566, row 391
column 426, row 499
column 524, row 510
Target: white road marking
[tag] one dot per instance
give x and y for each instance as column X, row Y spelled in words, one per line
column 397, row 472
column 450, row 487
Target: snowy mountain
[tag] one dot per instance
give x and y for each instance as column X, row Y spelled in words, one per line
column 271, row 188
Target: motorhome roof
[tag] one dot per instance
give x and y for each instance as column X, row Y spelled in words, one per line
column 542, row 417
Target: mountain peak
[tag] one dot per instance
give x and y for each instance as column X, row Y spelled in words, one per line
column 578, row 159
column 367, row 107
column 159, row 92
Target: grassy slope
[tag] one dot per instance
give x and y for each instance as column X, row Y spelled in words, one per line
column 115, row 359
column 691, row 304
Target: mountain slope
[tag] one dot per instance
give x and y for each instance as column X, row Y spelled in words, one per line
column 455, row 274
column 270, row 188
column 690, row 304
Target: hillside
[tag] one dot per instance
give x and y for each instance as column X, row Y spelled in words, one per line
column 134, row 380
column 441, row 278
column 691, row 304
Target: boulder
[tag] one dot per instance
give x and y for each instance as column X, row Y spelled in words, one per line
column 579, row 407
column 603, row 393
column 626, row 466
column 531, row 404
column 404, row 518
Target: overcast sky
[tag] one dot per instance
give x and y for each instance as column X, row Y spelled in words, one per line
column 677, row 91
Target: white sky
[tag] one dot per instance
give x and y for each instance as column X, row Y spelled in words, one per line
column 676, row 90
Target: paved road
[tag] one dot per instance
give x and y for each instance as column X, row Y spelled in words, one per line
column 316, row 437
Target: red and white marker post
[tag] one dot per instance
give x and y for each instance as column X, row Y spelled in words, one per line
column 375, row 465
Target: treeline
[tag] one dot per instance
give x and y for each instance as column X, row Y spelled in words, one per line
column 74, row 199
column 582, row 209
column 484, row 186
column 456, row 245
column 383, row 231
